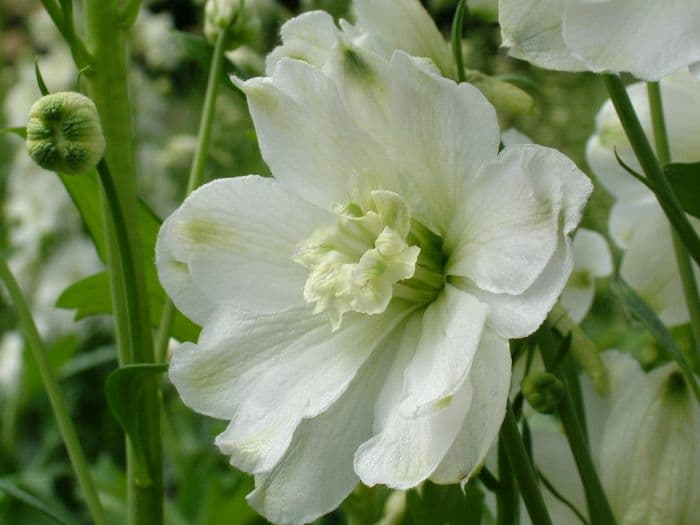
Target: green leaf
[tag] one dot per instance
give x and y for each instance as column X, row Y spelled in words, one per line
column 685, row 181
column 201, row 51
column 126, row 389
column 25, row 497
column 91, row 296
column 641, row 311
column 445, row 505
column 39, row 79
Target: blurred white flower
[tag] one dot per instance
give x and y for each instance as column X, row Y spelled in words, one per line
column 644, row 440
column 356, row 310
column 592, row 259
column 11, row 346
column 649, row 39
column 153, row 35
column 637, row 223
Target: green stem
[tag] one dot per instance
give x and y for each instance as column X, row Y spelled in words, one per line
column 108, row 89
column 457, row 28
column 596, row 500
column 650, row 165
column 65, row 425
column 685, row 267
column 523, row 470
column 507, row 494
column 197, row 169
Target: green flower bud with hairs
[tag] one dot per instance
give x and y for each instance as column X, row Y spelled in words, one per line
column 543, row 391
column 64, row 133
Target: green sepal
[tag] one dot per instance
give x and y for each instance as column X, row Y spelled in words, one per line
column 19, row 131
column 503, row 95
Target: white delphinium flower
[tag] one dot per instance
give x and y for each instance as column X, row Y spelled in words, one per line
column 356, row 310
column 644, row 441
column 382, row 28
column 592, row 260
column 649, row 39
column 637, row 222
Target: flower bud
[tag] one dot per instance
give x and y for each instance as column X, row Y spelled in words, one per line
column 64, row 133
column 236, row 16
column 543, row 391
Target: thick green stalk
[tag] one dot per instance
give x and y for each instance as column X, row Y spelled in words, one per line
column 65, row 425
column 507, row 500
column 197, row 169
column 650, row 165
column 108, row 89
column 523, row 470
column 685, row 267
column 596, row 500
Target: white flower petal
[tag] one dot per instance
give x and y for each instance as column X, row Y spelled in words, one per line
column 405, row 25
column 316, row 474
column 626, row 219
column 451, row 329
column 490, row 379
column 591, row 253
column 509, row 225
column 228, row 239
column 532, row 29
column 309, row 37
column 307, row 137
column 577, row 300
column 652, row 415
column 649, row 39
column 514, row 316
column 649, row 267
column 304, row 380
column 406, row 450
column 442, row 133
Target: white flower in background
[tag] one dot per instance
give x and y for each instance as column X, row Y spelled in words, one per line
column 11, row 346
column 153, row 35
column 382, row 27
column 356, row 310
column 592, row 260
column 649, row 39
column 637, row 222
column 644, row 441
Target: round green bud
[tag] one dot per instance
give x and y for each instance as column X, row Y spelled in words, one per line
column 239, row 17
column 543, row 391
column 64, row 133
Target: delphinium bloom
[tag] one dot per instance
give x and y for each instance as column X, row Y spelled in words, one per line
column 649, row 39
column 643, row 439
column 356, row 309
column 637, row 222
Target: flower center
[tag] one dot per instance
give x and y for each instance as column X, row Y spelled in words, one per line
column 370, row 255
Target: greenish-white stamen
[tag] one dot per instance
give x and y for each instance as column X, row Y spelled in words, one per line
column 370, row 255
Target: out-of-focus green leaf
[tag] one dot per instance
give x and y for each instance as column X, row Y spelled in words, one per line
column 126, row 389
column 641, row 311
column 25, row 497
column 366, row 504
column 89, row 360
column 685, row 181
column 91, row 296
column 445, row 505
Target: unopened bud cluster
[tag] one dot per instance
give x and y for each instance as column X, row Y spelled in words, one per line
column 64, row 133
column 543, row 391
column 238, row 17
